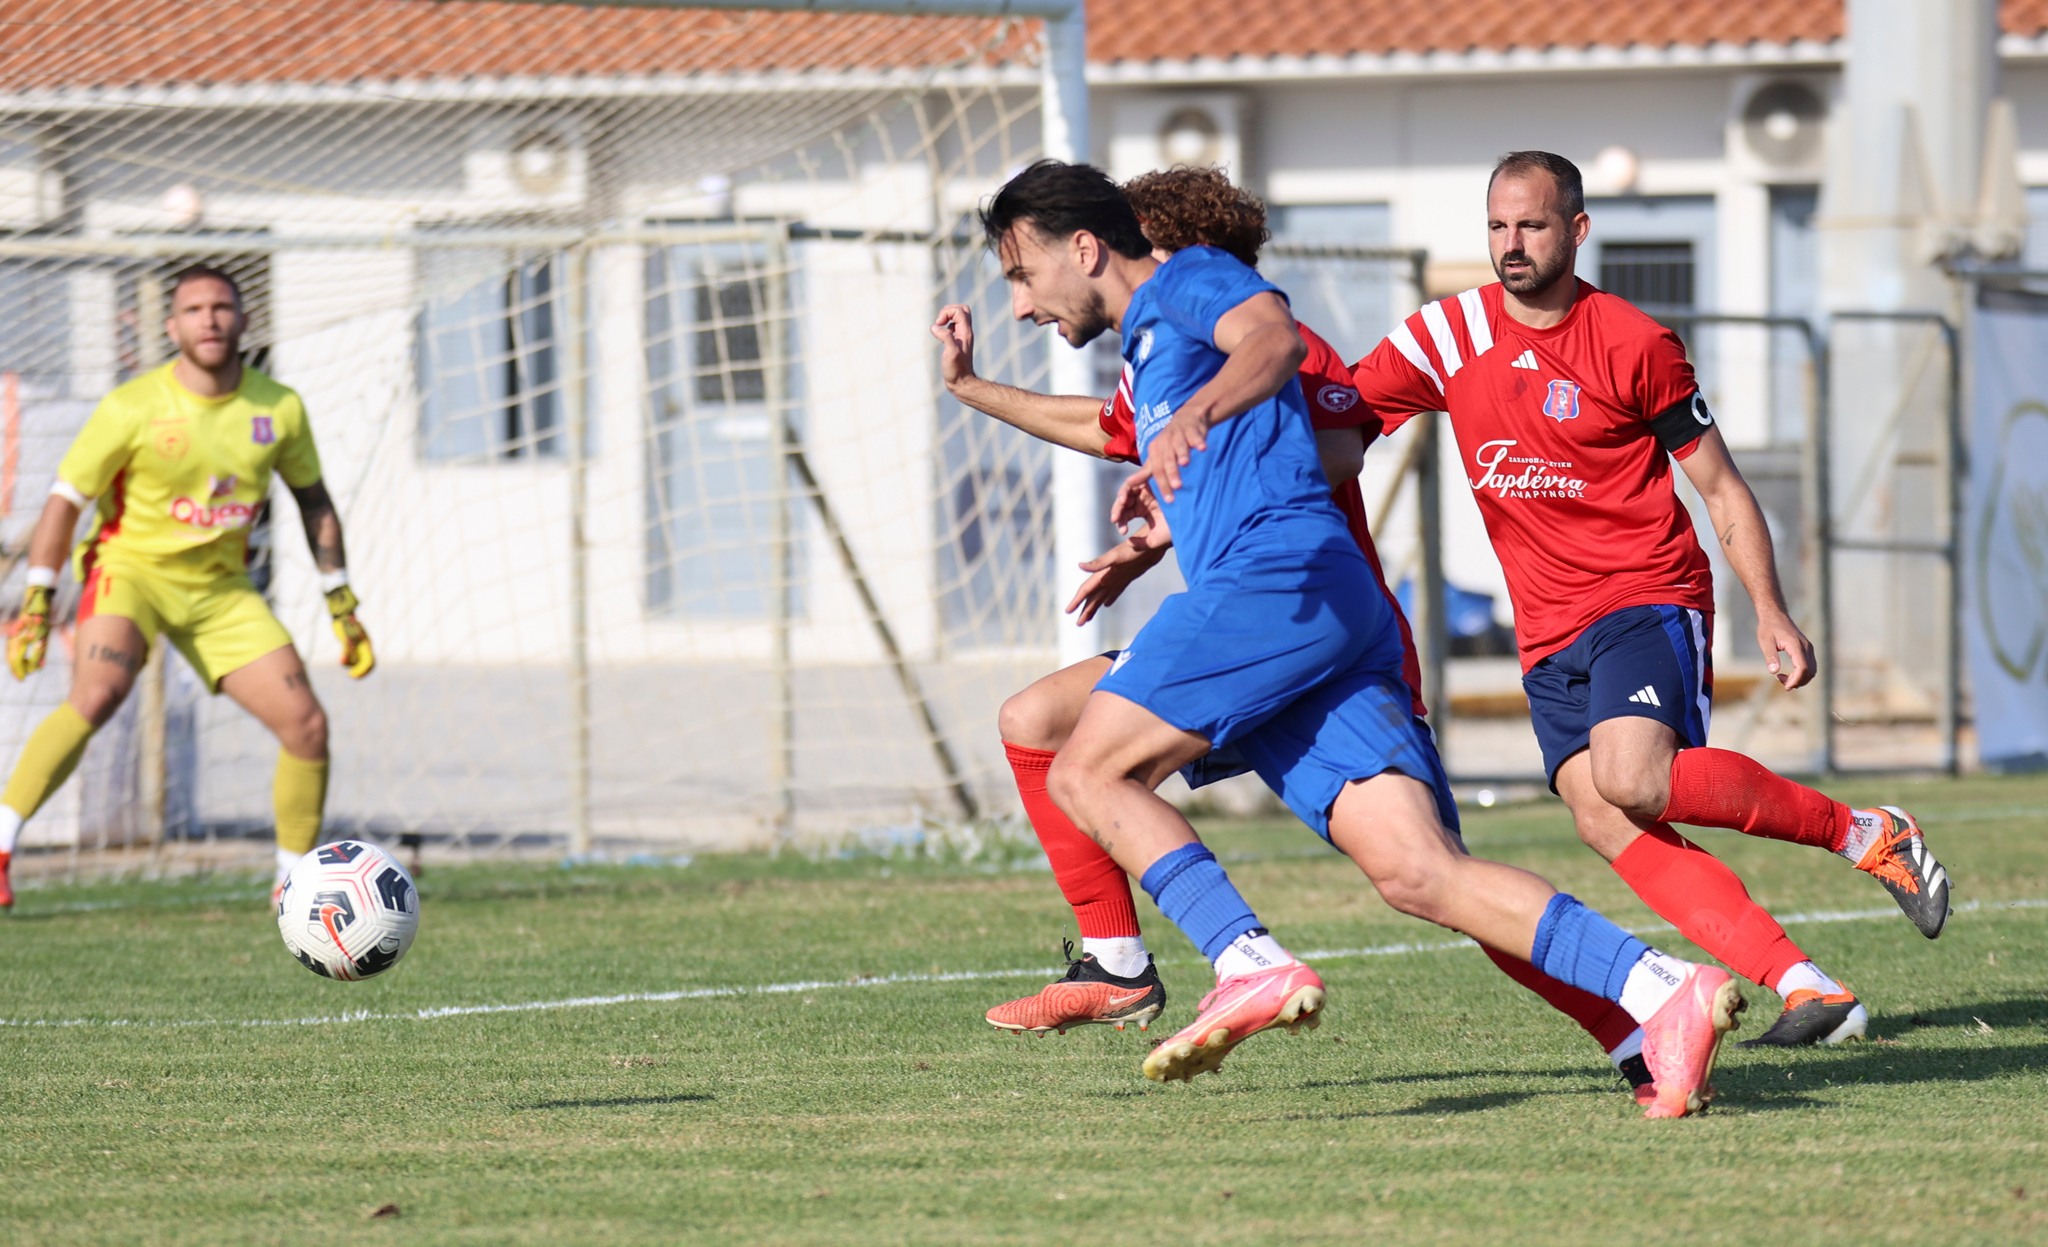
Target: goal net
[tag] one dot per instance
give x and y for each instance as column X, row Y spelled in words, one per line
column 612, row 326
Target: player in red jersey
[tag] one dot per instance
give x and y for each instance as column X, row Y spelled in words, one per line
column 1113, row 981
column 1569, row 405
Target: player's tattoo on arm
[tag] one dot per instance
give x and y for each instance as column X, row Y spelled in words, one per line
column 323, row 526
column 126, row 661
column 296, row 679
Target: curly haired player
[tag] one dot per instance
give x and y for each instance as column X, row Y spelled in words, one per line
column 1282, row 647
column 179, row 459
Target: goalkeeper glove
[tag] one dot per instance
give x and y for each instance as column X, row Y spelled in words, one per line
column 355, row 643
column 28, row 637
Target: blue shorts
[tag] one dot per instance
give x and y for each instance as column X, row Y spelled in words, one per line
column 1651, row 662
column 1228, row 654
column 1355, row 727
column 1294, row 671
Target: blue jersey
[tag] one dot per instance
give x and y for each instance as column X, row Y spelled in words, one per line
column 1260, row 473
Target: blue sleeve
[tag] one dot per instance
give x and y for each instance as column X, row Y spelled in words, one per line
column 1202, row 285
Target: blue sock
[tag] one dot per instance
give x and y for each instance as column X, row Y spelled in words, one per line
column 1192, row 890
column 1578, row 946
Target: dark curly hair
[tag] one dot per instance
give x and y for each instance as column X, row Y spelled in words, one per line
column 1184, row 207
column 1060, row 199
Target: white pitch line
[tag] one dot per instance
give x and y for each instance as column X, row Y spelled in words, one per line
column 880, row 980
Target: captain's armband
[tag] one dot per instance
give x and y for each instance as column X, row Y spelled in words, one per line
column 1681, row 424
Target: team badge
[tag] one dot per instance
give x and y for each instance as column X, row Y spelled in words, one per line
column 172, row 444
column 1336, row 398
column 1561, row 401
column 261, row 432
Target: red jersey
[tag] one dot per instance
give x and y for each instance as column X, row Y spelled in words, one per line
column 1332, row 404
column 1564, row 434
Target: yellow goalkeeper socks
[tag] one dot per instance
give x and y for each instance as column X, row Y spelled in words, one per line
column 300, row 795
column 52, row 753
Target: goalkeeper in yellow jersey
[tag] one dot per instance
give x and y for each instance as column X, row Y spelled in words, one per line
column 179, row 459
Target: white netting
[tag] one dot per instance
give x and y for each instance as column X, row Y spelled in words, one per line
column 612, row 328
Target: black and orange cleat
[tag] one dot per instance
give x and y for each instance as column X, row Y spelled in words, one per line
column 1087, row 995
column 1811, row 1017
column 1899, row 859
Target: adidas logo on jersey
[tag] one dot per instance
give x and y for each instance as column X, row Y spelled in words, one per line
column 1527, row 359
column 1647, row 696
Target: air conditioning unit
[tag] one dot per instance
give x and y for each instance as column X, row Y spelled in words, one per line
column 526, row 162
column 1784, row 126
column 1178, row 128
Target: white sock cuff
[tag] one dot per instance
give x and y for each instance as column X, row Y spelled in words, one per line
column 10, row 828
column 1121, row 955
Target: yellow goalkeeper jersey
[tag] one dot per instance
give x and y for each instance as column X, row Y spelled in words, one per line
column 179, row 477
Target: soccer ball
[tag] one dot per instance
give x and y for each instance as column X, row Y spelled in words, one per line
column 348, row 910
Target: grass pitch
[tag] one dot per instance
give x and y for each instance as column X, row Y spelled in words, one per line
column 170, row 1075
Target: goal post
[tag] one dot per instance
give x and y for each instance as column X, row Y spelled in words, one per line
column 617, row 358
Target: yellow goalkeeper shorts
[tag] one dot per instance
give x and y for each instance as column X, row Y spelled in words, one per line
column 220, row 626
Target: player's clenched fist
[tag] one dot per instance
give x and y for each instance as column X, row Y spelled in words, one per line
column 955, row 331
column 28, row 637
column 356, row 654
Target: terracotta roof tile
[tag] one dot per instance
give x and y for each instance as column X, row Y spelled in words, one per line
column 1185, row 29
column 2023, row 17
column 67, row 43
column 50, row 43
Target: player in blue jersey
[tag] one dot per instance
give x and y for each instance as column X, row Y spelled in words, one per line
column 1282, row 647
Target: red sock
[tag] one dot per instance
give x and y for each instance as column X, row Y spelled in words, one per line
column 1605, row 1020
column 1695, row 891
column 1089, row 878
column 1719, row 788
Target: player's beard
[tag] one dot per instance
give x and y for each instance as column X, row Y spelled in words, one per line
column 1539, row 278
column 1088, row 323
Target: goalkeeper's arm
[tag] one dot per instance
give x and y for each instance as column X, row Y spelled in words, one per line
column 323, row 535
column 28, row 637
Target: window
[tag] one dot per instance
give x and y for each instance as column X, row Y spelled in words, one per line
column 35, row 333
column 723, row 521
column 727, row 345
column 488, row 364
column 2035, row 257
column 1654, row 275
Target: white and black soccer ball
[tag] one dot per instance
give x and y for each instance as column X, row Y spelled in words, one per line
column 348, row 910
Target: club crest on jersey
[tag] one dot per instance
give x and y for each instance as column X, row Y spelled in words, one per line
column 263, row 434
column 1561, row 401
column 1337, row 398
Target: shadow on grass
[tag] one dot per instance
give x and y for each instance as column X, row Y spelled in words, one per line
column 1435, row 1106
column 2018, row 1013
column 623, row 1101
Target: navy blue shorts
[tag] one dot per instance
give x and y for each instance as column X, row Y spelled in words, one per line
column 1651, row 662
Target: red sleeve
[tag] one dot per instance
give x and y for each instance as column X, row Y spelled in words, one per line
column 1392, row 381
column 1664, row 380
column 1326, row 384
column 1119, row 419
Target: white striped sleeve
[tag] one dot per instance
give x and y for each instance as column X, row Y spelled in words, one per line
column 1404, row 341
column 1446, row 342
column 1476, row 327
